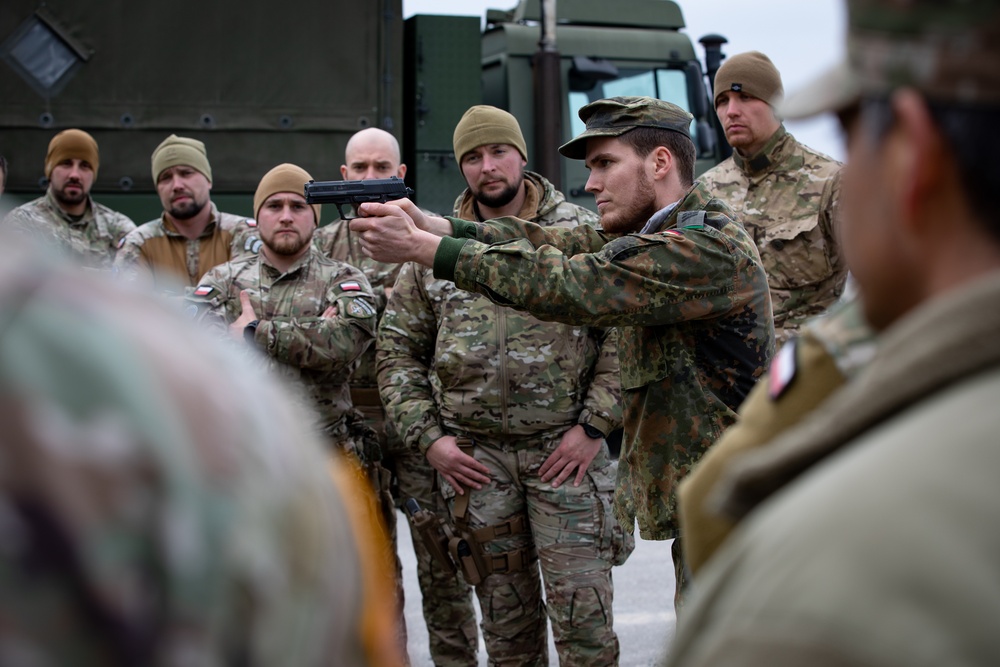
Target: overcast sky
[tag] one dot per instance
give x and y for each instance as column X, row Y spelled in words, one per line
column 801, row 37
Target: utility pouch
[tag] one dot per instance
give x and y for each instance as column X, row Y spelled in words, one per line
column 435, row 534
column 469, row 559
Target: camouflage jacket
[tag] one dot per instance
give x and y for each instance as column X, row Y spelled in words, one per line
column 337, row 242
column 157, row 253
column 315, row 352
column 93, row 239
column 693, row 313
column 787, row 198
column 452, row 362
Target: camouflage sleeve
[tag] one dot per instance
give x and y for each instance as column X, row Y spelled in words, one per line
column 603, row 404
column 329, row 344
column 829, row 220
column 404, row 353
column 121, row 226
column 572, row 240
column 211, row 302
column 246, row 239
column 649, row 280
column 130, row 263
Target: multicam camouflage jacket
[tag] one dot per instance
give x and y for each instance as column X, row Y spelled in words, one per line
column 451, row 362
column 170, row 261
column 693, row 313
column 787, row 198
column 316, row 352
column 337, row 242
column 92, row 240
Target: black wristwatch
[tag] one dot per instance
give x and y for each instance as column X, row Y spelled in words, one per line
column 249, row 331
column 593, row 431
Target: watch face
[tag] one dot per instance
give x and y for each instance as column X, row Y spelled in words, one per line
column 592, row 432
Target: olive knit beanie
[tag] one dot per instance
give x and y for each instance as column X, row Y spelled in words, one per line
column 752, row 73
column 283, row 178
column 175, row 151
column 483, row 125
column 70, row 144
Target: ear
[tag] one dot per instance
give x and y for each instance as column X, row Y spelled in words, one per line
column 343, row 172
column 920, row 156
column 402, row 171
column 661, row 161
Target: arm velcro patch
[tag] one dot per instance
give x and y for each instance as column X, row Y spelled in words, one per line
column 360, row 307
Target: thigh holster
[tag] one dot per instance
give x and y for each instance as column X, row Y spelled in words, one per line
column 466, row 546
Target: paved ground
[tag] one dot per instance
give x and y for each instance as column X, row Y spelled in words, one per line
column 644, row 614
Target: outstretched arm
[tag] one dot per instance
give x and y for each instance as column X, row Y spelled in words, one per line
column 399, row 232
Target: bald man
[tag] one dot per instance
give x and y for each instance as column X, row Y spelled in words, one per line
column 371, row 153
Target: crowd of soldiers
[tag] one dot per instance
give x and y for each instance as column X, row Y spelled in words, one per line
column 213, row 476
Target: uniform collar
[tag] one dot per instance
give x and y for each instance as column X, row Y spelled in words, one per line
column 772, row 153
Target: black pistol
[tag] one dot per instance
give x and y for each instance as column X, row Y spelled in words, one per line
column 341, row 193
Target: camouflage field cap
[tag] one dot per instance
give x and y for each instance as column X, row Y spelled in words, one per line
column 947, row 49
column 615, row 116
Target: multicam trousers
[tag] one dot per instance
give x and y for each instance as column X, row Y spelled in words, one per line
column 577, row 540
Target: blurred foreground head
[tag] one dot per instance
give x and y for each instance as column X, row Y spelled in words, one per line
column 919, row 96
column 160, row 501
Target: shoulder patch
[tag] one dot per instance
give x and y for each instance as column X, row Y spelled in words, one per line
column 252, row 244
column 351, row 286
column 360, row 308
column 121, row 242
column 203, row 290
column 782, row 371
column 251, row 222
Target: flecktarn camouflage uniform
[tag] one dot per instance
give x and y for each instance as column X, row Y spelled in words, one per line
column 452, row 363
column 693, row 314
column 786, row 197
column 92, row 240
column 153, row 512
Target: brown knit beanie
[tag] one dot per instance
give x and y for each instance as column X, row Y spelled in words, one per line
column 483, row 125
column 752, row 73
column 283, row 178
column 174, row 151
column 70, row 144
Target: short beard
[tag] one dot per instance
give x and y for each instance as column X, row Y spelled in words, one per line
column 286, row 246
column 70, row 200
column 635, row 216
column 187, row 211
column 502, row 198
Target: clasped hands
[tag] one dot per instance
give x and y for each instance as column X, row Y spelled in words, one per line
column 399, row 231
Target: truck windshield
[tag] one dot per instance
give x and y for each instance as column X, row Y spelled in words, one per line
column 667, row 84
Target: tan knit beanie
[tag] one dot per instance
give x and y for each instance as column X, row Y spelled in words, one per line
column 176, row 151
column 283, row 178
column 752, row 73
column 482, row 125
column 70, row 144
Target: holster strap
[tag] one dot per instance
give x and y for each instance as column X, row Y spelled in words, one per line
column 515, row 526
column 511, row 561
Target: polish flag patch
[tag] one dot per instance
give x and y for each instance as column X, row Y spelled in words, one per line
column 782, row 371
column 352, row 286
column 203, row 290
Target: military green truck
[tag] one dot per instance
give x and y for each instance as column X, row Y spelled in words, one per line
column 265, row 83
